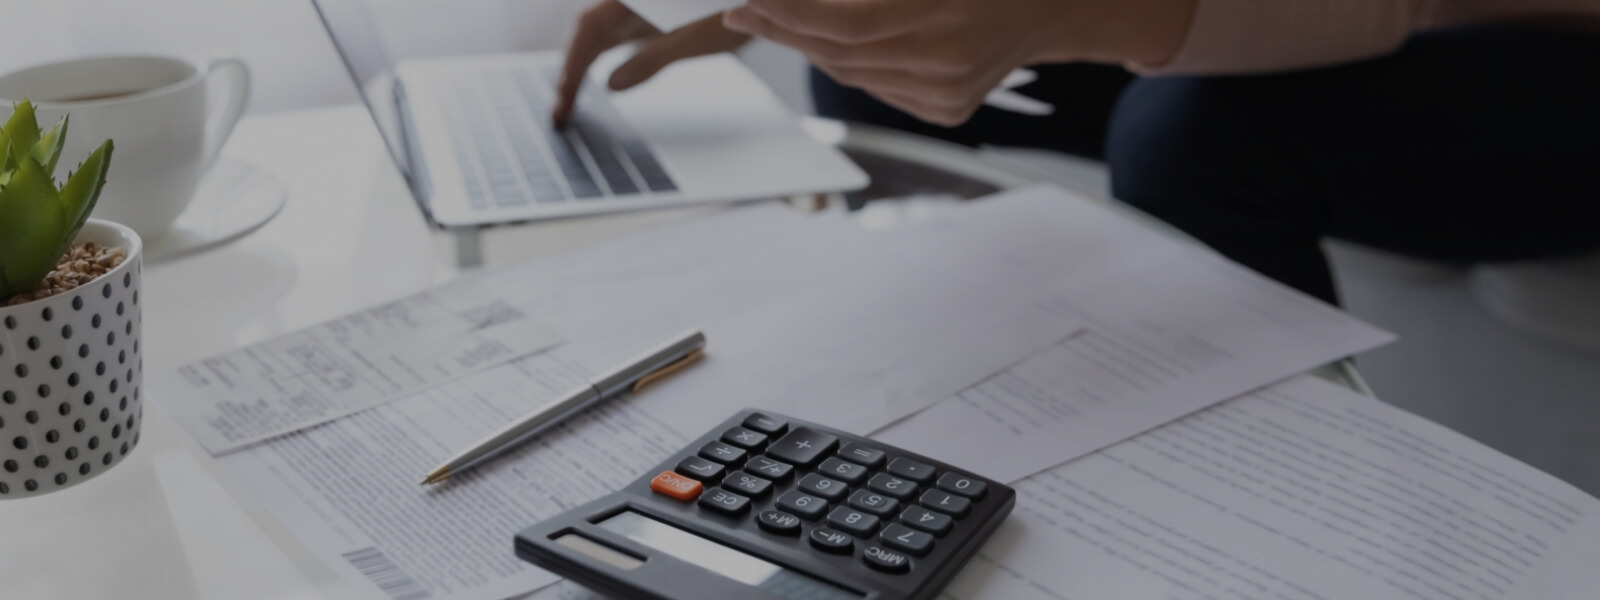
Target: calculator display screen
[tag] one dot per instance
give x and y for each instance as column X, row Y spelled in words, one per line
column 725, row 561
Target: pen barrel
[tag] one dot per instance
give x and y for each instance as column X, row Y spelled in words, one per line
column 515, row 434
column 619, row 381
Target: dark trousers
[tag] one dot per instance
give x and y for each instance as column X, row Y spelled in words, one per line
column 1468, row 145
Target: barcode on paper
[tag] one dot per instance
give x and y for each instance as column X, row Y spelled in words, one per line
column 383, row 573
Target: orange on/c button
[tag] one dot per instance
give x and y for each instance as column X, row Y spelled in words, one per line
column 675, row 486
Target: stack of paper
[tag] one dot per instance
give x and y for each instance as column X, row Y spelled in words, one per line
column 977, row 315
column 1301, row 491
column 1169, row 330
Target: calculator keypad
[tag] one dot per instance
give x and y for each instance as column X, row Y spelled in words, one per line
column 853, row 522
column 850, row 473
column 724, row 502
column 888, row 485
column 722, row 453
column 870, row 458
column 676, row 486
column 781, row 523
column 700, row 468
column 946, row 503
column 884, row 560
column 770, row 426
column 832, row 490
column 831, row 541
column 921, row 518
column 877, row 504
column 747, row 484
column 770, row 469
column 745, row 438
column 900, row 537
column 849, row 492
column 802, row 505
column 963, row 486
column 803, row 447
column 906, row 468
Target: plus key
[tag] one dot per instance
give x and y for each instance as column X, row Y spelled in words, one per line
column 803, row 447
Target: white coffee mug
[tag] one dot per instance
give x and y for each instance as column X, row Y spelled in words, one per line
column 154, row 109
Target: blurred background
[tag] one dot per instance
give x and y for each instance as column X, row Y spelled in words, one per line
column 290, row 56
column 1536, row 397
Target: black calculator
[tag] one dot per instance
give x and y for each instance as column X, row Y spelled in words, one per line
column 769, row 507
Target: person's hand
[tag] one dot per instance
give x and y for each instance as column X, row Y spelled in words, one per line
column 938, row 59
column 609, row 24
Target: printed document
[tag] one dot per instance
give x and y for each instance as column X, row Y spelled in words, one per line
column 760, row 282
column 346, row 365
column 811, row 316
column 1302, row 491
column 348, row 490
column 884, row 336
column 1169, row 329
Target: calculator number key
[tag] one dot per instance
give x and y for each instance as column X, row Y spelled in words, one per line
column 801, row 505
column 909, row 469
column 675, row 486
column 803, row 446
column 828, row 540
column 853, row 522
column 913, row 542
column 896, row 487
column 877, row 504
column 722, row 453
column 747, row 484
column 886, row 560
column 724, row 502
column 871, row 458
column 770, row 469
column 700, row 468
column 744, row 438
column 962, row 485
column 946, row 503
column 766, row 424
column 917, row 517
column 832, row 489
column 780, row 523
column 850, row 473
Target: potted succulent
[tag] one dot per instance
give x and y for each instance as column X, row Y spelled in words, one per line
column 70, row 373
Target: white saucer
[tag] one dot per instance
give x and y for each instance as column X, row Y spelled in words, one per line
column 233, row 199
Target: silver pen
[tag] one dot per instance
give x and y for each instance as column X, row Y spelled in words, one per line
column 635, row 374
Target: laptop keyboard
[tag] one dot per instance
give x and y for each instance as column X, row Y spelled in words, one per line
column 511, row 156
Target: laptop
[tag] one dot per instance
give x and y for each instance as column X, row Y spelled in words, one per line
column 473, row 137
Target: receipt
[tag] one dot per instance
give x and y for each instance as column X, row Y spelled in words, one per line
column 346, row 365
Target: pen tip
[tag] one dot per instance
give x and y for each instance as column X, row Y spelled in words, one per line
column 435, row 477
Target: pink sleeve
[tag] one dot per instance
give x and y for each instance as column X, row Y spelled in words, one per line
column 1258, row 36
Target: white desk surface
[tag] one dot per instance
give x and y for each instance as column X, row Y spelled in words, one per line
column 160, row 526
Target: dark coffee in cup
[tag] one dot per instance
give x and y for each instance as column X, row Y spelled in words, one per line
column 95, row 96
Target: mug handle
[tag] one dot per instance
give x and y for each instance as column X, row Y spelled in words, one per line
column 219, row 124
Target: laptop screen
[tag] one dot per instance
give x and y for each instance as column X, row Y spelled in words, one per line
column 355, row 34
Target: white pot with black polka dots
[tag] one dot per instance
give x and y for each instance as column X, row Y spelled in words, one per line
column 70, row 377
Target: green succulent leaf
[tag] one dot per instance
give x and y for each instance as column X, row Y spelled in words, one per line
column 48, row 150
column 33, row 222
column 82, row 190
column 6, row 164
column 23, row 129
column 38, row 221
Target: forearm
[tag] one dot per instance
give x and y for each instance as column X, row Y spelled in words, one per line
column 1233, row 36
column 1145, row 32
